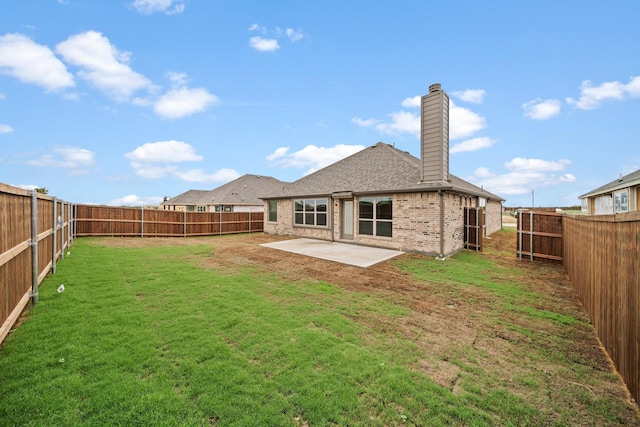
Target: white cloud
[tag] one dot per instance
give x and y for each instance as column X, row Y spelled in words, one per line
column 537, row 109
column 164, row 152
column 256, row 27
column 592, row 96
column 472, row 145
column 364, row 123
column 198, row 175
column 294, row 35
column 279, row 153
column 269, row 40
column 26, row 186
column 182, row 102
column 414, row 101
column 178, row 79
column 103, row 65
column 156, row 160
column 524, row 175
column 133, row 200
column 5, row 129
column 462, row 121
column 312, row 157
column 22, row 58
column 633, row 87
column 152, row 170
column 521, row 164
column 401, row 122
column 474, row 96
column 76, row 160
column 264, row 45
column 169, row 7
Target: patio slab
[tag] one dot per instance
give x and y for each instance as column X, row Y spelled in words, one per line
column 359, row 256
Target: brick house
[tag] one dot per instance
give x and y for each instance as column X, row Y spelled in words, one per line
column 385, row 197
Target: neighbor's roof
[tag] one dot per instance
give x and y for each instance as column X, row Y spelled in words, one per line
column 190, row 197
column 380, row 168
column 245, row 190
column 623, row 182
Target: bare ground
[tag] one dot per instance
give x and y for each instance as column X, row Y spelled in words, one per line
column 457, row 328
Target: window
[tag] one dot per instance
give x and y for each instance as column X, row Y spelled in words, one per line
column 375, row 216
column 273, row 211
column 312, row 212
column 202, row 208
column 621, row 201
column 224, row 208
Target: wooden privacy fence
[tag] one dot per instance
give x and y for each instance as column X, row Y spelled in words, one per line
column 602, row 258
column 93, row 220
column 35, row 231
column 601, row 255
column 539, row 235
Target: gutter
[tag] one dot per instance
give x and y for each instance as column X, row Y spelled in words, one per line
column 441, row 256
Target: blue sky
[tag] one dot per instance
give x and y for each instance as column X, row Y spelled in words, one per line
column 124, row 102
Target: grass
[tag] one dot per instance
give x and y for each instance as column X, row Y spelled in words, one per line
column 147, row 336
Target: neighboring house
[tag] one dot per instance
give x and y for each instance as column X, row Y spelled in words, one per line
column 385, row 197
column 619, row 196
column 239, row 195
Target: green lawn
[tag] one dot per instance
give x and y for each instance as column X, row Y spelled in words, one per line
column 148, row 336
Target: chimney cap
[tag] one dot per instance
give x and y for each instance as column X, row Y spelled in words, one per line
column 435, row 87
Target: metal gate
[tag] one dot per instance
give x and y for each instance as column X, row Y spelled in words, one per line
column 473, row 228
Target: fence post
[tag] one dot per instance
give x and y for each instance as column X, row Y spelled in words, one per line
column 142, row 221
column 69, row 225
column 34, row 246
column 61, row 223
column 531, row 235
column 55, row 236
column 184, row 222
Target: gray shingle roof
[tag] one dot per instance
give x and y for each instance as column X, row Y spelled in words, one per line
column 245, row 190
column 191, row 197
column 623, row 182
column 380, row 168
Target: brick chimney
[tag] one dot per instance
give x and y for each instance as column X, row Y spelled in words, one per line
column 434, row 135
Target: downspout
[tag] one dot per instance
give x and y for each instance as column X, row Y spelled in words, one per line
column 332, row 219
column 441, row 256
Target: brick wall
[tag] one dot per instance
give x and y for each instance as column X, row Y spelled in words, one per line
column 416, row 223
column 284, row 225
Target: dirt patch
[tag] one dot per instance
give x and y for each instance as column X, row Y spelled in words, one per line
column 459, row 334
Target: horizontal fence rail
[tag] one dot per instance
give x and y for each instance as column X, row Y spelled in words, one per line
column 601, row 256
column 35, row 231
column 91, row 220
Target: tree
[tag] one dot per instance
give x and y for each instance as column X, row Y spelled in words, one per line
column 42, row 190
